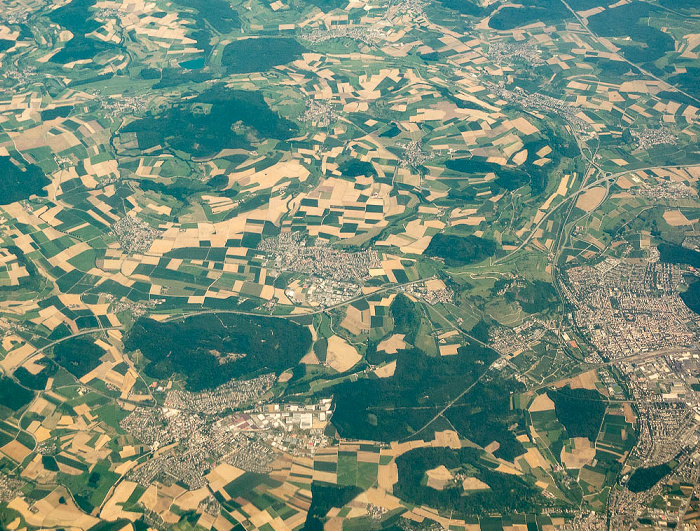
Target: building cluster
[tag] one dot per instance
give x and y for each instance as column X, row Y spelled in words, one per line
column 133, row 234
column 297, row 429
column 647, row 138
column 664, row 387
column 665, row 390
column 626, row 306
column 188, row 443
column 411, row 8
column 664, row 505
column 19, row 14
column 414, row 155
column 335, row 275
column 610, row 384
column 47, row 447
column 291, row 253
column 666, row 190
column 284, row 417
column 124, row 105
column 365, row 34
column 20, row 76
column 158, row 427
column 540, row 102
column 227, row 397
column 297, row 443
column 327, row 292
column 430, row 295
column 210, row 505
column 135, row 308
column 587, row 521
column 106, row 13
column 506, row 52
column 10, row 487
column 184, row 467
column 376, row 512
column 512, row 341
column 692, row 242
column 319, row 113
column 197, row 443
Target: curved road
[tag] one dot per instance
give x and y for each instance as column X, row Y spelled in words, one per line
column 54, row 343
column 610, row 177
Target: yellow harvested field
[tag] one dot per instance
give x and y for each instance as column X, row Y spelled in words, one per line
column 541, row 403
column 380, row 498
column 492, row 447
column 582, row 453
column 341, row 354
column 222, row 475
column 41, row 434
column 520, row 157
column 41, row 406
column 439, row 478
column 624, row 183
column 367, row 457
column 356, row 320
column 392, row 344
column 675, row 218
column 33, row 367
column 448, row 438
column 590, row 199
column 690, row 46
column 112, row 509
column 474, row 484
column 523, row 126
column 505, row 469
column 388, row 476
column 587, row 380
column 546, row 150
column 16, row 451
column 16, row 357
column 471, row 221
column 434, row 284
column 310, row 359
column 449, row 350
column 285, row 377
column 189, row 501
column 534, row 459
column 36, row 471
column 49, row 512
column 563, row 185
column 386, row 371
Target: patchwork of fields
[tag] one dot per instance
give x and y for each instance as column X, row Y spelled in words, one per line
column 355, row 265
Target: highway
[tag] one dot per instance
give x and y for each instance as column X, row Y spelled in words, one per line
column 389, row 287
column 54, row 343
column 89, row 331
column 606, row 179
column 595, row 37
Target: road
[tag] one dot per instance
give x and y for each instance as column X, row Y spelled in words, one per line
column 638, row 356
column 633, row 357
column 452, row 402
column 324, row 309
column 54, row 343
column 204, row 312
column 634, row 65
column 597, row 182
